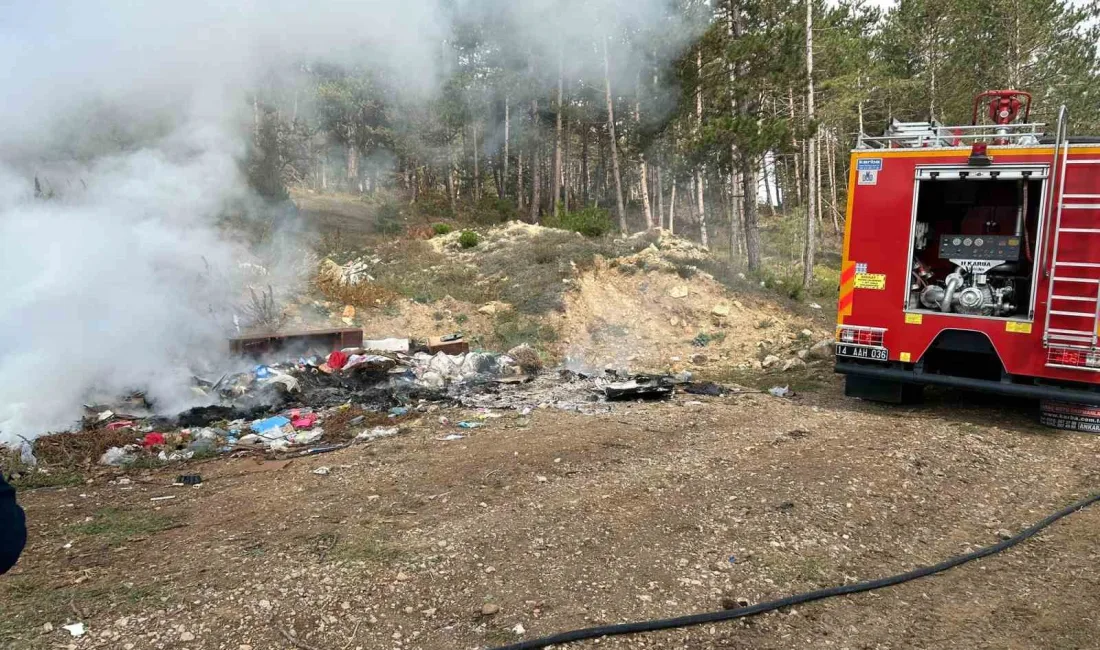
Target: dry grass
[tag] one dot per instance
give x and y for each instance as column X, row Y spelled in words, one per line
column 364, row 294
column 262, row 311
column 80, row 447
column 114, row 526
column 339, row 427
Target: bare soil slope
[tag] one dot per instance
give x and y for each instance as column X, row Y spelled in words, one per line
column 638, row 311
column 638, row 302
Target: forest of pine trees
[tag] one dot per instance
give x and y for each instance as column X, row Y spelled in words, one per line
column 704, row 122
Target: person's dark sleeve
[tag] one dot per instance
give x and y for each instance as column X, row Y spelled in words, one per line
column 13, row 527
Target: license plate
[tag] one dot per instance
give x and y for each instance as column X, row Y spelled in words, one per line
column 861, row 352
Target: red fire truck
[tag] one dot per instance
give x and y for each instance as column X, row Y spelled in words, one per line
column 972, row 260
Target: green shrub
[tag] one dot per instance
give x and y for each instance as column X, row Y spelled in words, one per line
column 468, row 239
column 826, row 281
column 491, row 210
column 442, row 228
column 388, row 219
column 701, row 340
column 590, row 222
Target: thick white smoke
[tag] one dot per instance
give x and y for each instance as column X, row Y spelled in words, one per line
column 136, row 118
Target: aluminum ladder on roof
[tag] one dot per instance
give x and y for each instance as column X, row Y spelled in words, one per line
column 1061, row 299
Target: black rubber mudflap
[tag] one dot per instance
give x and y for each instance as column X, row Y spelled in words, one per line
column 1070, row 417
column 877, row 390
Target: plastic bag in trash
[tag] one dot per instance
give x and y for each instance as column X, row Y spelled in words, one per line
column 378, row 432
column 305, row 437
column 26, row 455
column 432, row 380
column 116, row 456
column 274, row 422
column 289, row 382
column 305, row 421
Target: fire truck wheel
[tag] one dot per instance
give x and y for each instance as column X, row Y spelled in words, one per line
column 877, row 390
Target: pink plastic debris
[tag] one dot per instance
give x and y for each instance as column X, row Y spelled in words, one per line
column 305, row 422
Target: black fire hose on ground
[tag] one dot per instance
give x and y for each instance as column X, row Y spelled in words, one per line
column 797, row 599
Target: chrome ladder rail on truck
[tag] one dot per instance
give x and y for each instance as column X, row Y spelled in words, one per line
column 1059, row 269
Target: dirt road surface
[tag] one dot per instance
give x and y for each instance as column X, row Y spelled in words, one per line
column 531, row 526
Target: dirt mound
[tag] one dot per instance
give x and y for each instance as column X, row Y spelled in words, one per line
column 634, row 302
column 639, row 312
column 401, row 318
column 492, row 239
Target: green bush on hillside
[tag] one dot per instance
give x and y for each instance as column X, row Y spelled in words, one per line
column 590, row 222
column 468, row 239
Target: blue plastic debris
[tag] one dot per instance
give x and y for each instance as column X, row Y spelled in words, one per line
column 275, row 422
column 398, row 411
column 262, row 372
column 470, row 425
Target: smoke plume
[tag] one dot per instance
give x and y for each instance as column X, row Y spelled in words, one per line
column 125, row 129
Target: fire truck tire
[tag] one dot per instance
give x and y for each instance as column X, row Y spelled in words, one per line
column 880, row 390
column 1070, row 417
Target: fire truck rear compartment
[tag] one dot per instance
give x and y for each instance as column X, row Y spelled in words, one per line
column 974, row 245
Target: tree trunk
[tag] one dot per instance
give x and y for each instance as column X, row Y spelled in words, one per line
column 733, row 31
column 830, row 148
column 451, row 191
column 602, row 179
column 555, row 182
column 672, row 210
column 535, row 186
column 794, row 144
column 507, row 138
column 752, row 229
column 811, row 162
column 932, row 40
column 820, row 184
column 566, row 174
column 693, row 208
column 520, row 195
column 767, row 183
column 859, row 89
column 643, row 174
column 477, row 168
column 660, row 192
column 353, row 167
column 660, row 196
column 645, row 194
column 740, row 215
column 585, row 179
column 614, row 141
column 703, row 237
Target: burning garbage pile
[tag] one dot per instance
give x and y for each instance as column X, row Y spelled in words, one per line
column 282, row 407
column 313, row 403
column 587, row 392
